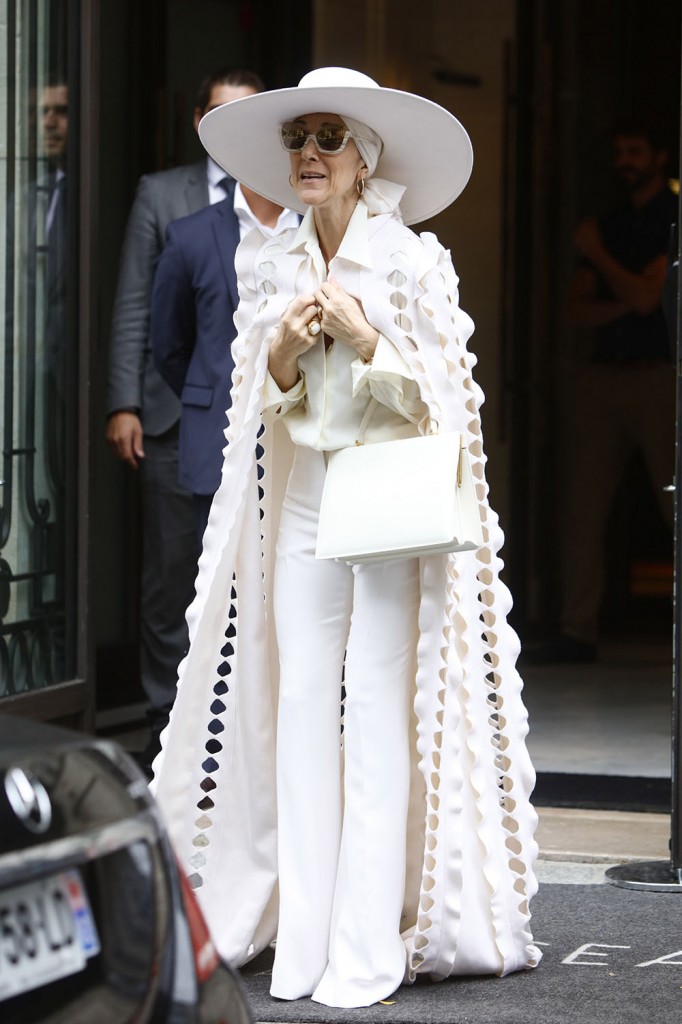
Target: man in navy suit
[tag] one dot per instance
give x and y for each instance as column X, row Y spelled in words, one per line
column 143, row 413
column 193, row 303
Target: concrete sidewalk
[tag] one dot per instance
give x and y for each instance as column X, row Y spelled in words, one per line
column 579, row 845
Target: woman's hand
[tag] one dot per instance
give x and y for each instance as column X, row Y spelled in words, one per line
column 292, row 339
column 343, row 319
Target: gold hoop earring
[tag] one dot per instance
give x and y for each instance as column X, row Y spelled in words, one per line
column 360, row 186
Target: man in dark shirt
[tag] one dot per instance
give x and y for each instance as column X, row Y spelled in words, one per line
column 625, row 393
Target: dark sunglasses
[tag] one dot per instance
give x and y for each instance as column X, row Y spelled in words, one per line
column 331, row 138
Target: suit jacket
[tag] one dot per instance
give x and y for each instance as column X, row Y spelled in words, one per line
column 193, row 303
column 134, row 382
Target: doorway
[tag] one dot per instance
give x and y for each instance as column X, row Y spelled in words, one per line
column 599, row 731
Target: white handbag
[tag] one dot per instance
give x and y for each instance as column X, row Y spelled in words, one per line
column 399, row 499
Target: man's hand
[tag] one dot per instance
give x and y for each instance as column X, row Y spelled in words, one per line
column 636, row 292
column 587, row 239
column 125, row 434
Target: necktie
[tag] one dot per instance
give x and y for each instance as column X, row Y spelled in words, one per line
column 227, row 185
column 56, row 197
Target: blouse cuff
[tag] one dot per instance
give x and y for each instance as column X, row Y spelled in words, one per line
column 282, row 401
column 386, row 365
column 388, row 379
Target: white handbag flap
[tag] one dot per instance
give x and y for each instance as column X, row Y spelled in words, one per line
column 399, row 499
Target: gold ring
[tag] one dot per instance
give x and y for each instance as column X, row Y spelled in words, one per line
column 314, row 326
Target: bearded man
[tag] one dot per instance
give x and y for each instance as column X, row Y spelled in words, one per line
column 625, row 390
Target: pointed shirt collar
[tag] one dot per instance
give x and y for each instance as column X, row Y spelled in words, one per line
column 354, row 245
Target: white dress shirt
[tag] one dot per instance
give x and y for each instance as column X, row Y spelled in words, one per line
column 327, row 408
column 245, row 217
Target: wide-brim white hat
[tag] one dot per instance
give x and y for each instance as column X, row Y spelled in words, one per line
column 425, row 148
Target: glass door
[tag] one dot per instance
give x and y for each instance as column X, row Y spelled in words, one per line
column 39, row 356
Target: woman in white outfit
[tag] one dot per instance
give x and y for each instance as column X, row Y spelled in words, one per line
column 400, row 830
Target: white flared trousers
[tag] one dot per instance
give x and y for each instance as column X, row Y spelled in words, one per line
column 342, row 807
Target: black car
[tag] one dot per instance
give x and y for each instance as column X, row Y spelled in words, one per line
column 98, row 924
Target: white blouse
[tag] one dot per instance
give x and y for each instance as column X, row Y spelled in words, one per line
column 325, row 409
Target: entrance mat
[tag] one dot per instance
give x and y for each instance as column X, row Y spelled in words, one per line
column 611, row 956
column 603, row 792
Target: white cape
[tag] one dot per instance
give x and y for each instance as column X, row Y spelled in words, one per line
column 470, row 838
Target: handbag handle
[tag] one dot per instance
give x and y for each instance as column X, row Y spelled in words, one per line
column 364, row 423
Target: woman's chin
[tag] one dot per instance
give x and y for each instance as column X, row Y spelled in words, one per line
column 311, row 196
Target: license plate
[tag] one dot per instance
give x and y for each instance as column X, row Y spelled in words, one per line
column 47, row 932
